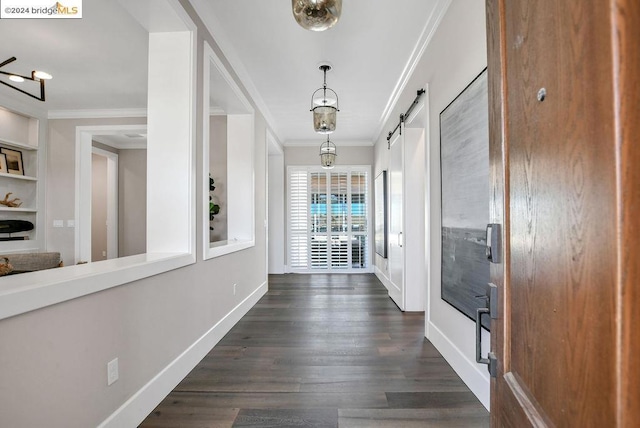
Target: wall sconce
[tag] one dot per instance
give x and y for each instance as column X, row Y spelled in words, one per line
column 328, row 154
column 324, row 105
column 316, row 15
column 36, row 76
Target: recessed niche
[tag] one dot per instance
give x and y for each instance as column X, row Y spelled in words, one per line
column 228, row 160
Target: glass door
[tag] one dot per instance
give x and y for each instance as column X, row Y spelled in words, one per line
column 337, row 238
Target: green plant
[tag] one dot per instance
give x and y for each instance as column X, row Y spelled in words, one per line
column 214, row 209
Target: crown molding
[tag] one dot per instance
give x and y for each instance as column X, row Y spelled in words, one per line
column 97, row 113
column 221, row 40
column 120, row 146
column 416, row 55
column 341, row 143
column 217, row 111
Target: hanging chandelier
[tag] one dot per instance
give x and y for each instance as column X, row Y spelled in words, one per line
column 324, row 105
column 316, row 15
column 36, row 76
column 328, row 154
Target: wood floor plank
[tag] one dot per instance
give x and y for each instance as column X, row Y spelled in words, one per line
column 173, row 413
column 280, row 400
column 278, row 418
column 323, row 351
column 439, row 400
column 412, row 418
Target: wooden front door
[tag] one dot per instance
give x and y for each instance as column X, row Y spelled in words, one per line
column 564, row 101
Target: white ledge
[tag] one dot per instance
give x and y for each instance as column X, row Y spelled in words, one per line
column 27, row 292
column 220, row 248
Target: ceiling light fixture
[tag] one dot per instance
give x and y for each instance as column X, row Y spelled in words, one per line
column 328, row 154
column 36, row 76
column 316, row 15
column 324, row 105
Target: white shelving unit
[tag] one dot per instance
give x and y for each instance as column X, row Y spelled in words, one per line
column 21, row 132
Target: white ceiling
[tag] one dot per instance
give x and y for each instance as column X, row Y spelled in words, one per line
column 100, row 61
column 370, row 49
column 97, row 62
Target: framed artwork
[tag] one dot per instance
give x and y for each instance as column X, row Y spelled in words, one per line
column 381, row 230
column 3, row 163
column 464, row 169
column 14, row 160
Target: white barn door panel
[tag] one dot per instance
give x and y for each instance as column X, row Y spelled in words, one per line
column 407, row 270
column 396, row 203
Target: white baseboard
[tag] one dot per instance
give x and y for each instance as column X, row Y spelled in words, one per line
column 382, row 277
column 136, row 409
column 479, row 383
column 394, row 292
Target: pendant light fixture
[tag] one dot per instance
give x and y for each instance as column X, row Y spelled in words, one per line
column 324, row 105
column 328, row 154
column 36, row 76
column 316, row 15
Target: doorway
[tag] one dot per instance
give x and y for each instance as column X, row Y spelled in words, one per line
column 104, row 205
column 120, row 229
column 329, row 219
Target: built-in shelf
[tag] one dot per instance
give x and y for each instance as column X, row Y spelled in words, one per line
column 18, row 177
column 17, row 145
column 19, row 210
column 23, row 132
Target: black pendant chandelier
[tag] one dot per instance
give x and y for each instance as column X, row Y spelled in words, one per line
column 36, row 76
column 328, row 154
column 324, row 105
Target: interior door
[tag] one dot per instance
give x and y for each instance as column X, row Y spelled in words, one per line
column 564, row 98
column 396, row 250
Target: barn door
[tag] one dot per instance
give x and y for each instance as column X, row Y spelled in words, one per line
column 396, row 222
column 564, row 97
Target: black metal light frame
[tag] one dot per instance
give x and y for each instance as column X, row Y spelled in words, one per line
column 33, row 78
column 324, row 68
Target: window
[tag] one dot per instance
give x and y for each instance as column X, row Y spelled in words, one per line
column 329, row 219
column 228, row 159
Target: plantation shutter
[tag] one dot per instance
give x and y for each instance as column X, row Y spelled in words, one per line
column 298, row 220
column 328, row 219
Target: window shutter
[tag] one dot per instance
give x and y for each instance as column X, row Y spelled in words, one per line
column 298, row 220
column 328, row 219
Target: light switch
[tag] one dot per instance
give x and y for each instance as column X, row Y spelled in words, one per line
column 71, row 223
column 58, row 223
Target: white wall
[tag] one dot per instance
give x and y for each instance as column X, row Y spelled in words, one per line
column 277, row 233
column 53, row 360
column 349, row 155
column 454, row 56
column 98, row 207
column 132, row 202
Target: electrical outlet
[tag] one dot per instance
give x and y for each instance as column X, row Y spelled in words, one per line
column 58, row 223
column 234, row 289
column 112, row 371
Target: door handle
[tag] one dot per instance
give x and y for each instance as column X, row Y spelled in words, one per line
column 490, row 309
column 400, row 236
column 479, row 313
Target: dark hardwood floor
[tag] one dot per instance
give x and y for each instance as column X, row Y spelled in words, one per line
column 323, row 351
